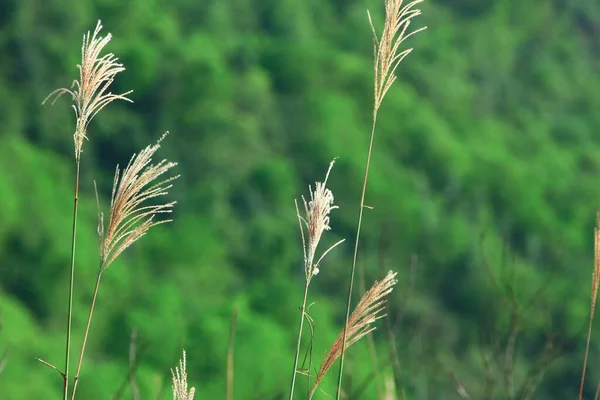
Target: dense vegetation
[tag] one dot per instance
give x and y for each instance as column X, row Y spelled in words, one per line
column 485, row 175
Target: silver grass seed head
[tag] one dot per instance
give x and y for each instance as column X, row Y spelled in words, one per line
column 317, row 211
column 90, row 93
column 130, row 215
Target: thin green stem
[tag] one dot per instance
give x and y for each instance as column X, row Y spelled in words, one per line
column 350, row 286
column 71, row 284
column 299, row 341
column 587, row 350
column 87, row 331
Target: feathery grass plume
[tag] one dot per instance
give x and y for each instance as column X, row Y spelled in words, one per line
column 180, row 384
column 595, row 282
column 89, row 95
column 96, row 74
column 386, row 50
column 230, row 351
column 387, row 57
column 316, row 221
column 129, row 219
column 368, row 310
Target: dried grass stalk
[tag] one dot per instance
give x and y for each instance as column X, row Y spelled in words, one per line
column 316, row 221
column 594, row 296
column 96, row 74
column 386, row 50
column 596, row 273
column 129, row 218
column 369, row 309
column 180, row 384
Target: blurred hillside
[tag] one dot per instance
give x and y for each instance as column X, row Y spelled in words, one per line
column 486, row 170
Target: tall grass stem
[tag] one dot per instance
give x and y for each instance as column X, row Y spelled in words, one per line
column 85, row 336
column 299, row 341
column 355, row 256
column 71, row 284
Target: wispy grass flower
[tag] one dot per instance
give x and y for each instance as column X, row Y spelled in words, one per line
column 387, row 56
column 180, row 384
column 594, row 296
column 369, row 309
column 129, row 218
column 316, row 221
column 387, row 52
column 90, row 93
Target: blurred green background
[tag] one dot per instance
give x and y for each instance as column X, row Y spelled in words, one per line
column 485, row 173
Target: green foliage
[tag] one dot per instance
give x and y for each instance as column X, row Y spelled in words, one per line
column 485, row 165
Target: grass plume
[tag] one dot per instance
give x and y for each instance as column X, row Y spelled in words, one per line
column 316, row 221
column 387, row 57
column 230, row 351
column 180, row 383
column 369, row 309
column 90, row 93
column 595, row 281
column 130, row 216
column 386, row 49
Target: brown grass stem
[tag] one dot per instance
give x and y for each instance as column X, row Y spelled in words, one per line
column 46, row 363
column 87, row 331
column 595, row 281
column 130, row 218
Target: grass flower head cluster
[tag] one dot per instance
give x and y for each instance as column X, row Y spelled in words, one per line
column 90, row 93
column 180, row 383
column 130, row 218
column 316, row 221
